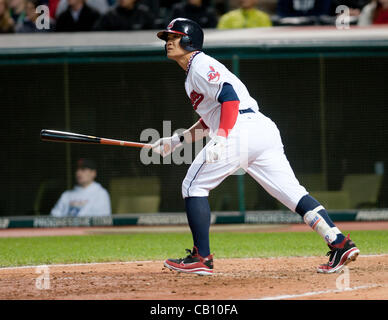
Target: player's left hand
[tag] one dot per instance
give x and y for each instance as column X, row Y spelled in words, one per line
column 165, row 146
column 215, row 151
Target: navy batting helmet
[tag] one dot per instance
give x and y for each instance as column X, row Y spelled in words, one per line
column 191, row 31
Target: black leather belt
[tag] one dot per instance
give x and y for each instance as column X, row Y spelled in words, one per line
column 249, row 110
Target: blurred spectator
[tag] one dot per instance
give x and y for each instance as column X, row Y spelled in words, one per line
column 6, row 22
column 88, row 198
column 168, row 3
column 162, row 11
column 52, row 5
column 303, row 8
column 28, row 24
column 354, row 6
column 268, row 6
column 127, row 15
column 102, row 6
column 17, row 9
column 246, row 16
column 77, row 17
column 375, row 12
column 197, row 11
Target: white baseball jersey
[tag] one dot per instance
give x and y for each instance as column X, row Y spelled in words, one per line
column 253, row 145
column 204, row 82
column 83, row 202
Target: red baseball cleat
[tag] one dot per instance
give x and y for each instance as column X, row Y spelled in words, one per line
column 193, row 263
column 340, row 255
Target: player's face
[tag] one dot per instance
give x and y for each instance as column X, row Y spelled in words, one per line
column 85, row 176
column 174, row 50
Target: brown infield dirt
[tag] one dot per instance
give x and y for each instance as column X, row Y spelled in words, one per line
column 235, row 279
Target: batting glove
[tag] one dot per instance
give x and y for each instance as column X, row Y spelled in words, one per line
column 215, row 151
column 165, row 146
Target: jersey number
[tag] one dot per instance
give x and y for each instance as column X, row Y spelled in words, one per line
column 196, row 98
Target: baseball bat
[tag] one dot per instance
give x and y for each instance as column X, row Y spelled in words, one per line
column 62, row 136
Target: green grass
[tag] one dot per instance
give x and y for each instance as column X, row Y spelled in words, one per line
column 101, row 248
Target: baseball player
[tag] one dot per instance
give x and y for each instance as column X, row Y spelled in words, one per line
column 241, row 137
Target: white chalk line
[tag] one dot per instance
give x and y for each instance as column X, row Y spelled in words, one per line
column 315, row 293
column 158, row 261
column 78, row 264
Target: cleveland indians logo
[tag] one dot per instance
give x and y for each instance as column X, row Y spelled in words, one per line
column 170, row 25
column 212, row 75
column 196, row 98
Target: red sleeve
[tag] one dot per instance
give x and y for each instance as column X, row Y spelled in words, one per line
column 229, row 113
column 203, row 124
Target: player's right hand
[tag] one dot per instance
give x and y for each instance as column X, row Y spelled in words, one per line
column 165, row 146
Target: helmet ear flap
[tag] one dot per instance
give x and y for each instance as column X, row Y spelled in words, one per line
column 186, row 43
